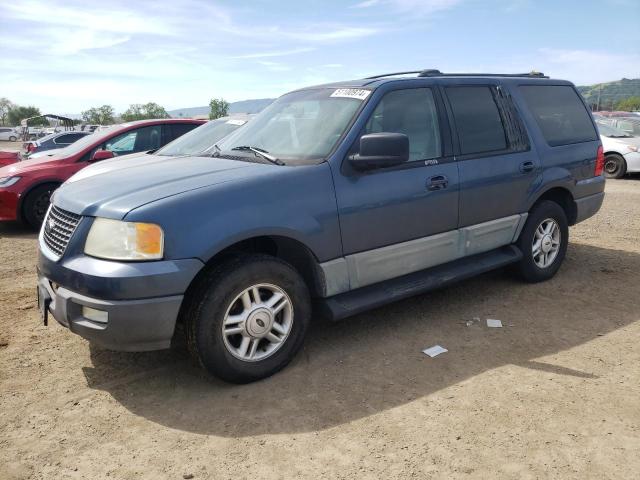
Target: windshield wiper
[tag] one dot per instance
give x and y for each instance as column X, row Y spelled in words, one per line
column 260, row 152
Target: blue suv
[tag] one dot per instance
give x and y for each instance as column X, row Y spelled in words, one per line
column 335, row 199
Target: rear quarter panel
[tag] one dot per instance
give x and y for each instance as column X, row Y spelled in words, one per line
column 567, row 166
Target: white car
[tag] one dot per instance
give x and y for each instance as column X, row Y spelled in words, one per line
column 8, row 133
column 621, row 151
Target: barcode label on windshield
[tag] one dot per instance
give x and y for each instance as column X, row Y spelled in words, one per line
column 357, row 93
column 236, row 122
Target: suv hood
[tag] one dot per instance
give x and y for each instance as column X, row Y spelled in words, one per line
column 115, row 188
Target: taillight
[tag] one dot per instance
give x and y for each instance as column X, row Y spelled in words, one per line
column 599, row 162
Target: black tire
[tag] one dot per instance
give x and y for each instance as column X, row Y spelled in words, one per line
column 13, row 139
column 528, row 269
column 208, row 302
column 615, row 166
column 36, row 204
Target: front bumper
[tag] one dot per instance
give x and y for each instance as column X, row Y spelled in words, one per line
column 141, row 300
column 8, row 205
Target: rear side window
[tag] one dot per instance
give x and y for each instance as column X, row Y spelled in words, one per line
column 477, row 119
column 412, row 112
column 66, row 139
column 560, row 114
column 179, row 129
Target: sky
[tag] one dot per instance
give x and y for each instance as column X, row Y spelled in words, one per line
column 65, row 56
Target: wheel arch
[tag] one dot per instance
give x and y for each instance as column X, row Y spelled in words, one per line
column 292, row 251
column 563, row 197
column 31, row 188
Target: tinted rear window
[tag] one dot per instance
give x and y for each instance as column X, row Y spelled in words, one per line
column 179, row 129
column 560, row 114
column 477, row 119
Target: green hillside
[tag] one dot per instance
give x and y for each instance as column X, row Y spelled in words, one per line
column 610, row 92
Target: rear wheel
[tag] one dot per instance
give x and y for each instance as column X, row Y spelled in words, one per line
column 615, row 166
column 247, row 318
column 36, row 204
column 543, row 242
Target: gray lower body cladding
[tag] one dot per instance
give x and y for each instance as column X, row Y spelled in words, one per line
column 366, row 268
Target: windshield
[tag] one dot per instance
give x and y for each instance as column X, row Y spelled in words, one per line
column 300, row 127
column 202, row 138
column 612, row 132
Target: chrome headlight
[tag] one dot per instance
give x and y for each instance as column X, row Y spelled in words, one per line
column 8, row 181
column 118, row 240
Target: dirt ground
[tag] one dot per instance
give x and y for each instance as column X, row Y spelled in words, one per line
column 553, row 394
column 10, row 146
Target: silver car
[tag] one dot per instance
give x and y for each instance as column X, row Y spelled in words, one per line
column 621, row 150
column 8, row 133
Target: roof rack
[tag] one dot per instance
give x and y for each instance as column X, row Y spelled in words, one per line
column 437, row 73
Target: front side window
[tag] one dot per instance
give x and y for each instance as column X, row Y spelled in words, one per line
column 413, row 113
column 122, row 144
column 560, row 114
column 478, row 122
column 138, row 140
column 301, row 127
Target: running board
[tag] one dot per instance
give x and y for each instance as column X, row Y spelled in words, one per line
column 363, row 299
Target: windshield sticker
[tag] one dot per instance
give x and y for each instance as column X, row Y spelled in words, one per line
column 236, row 122
column 357, row 93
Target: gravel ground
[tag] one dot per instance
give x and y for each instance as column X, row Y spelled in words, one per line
column 552, row 394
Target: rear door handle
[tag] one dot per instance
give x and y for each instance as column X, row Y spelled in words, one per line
column 526, row 167
column 439, row 182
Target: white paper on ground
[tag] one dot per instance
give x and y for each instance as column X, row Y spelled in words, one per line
column 435, row 350
column 493, row 323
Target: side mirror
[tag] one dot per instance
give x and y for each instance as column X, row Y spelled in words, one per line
column 101, row 155
column 378, row 150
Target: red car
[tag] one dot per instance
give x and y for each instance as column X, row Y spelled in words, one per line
column 25, row 187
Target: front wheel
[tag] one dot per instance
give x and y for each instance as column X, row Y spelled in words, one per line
column 36, row 205
column 247, row 318
column 13, row 139
column 543, row 242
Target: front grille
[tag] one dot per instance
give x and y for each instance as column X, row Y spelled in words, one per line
column 58, row 229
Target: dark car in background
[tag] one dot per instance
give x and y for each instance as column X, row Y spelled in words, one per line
column 26, row 187
column 53, row 141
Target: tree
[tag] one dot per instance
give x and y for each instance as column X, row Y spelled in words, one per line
column 18, row 113
column 629, row 104
column 137, row 111
column 5, row 106
column 103, row 115
column 219, row 108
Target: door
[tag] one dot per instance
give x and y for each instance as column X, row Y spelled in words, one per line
column 496, row 164
column 389, row 216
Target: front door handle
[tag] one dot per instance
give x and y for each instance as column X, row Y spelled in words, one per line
column 439, row 182
column 526, row 167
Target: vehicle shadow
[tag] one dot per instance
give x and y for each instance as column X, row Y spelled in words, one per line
column 373, row 362
column 16, row 230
